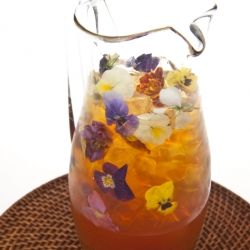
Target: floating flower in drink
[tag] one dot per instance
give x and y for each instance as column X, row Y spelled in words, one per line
column 151, row 84
column 107, row 62
column 118, row 80
column 97, row 139
column 182, row 78
column 160, row 198
column 171, row 97
column 153, row 128
column 112, row 180
column 116, row 111
column 144, row 62
column 96, row 212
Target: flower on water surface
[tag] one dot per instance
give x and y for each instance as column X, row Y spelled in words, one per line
column 160, row 198
column 116, row 111
column 171, row 97
column 96, row 212
column 153, row 128
column 182, row 78
column 97, row 139
column 107, row 62
column 112, row 179
column 118, row 80
column 151, row 84
column 144, row 62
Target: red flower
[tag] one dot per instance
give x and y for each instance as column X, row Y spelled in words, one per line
column 151, row 85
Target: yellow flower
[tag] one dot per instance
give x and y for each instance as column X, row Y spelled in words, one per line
column 182, row 78
column 153, row 128
column 160, row 198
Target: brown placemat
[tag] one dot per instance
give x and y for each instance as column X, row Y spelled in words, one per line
column 42, row 220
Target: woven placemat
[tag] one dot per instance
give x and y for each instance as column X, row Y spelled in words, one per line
column 42, row 220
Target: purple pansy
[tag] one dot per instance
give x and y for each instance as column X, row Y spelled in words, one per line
column 116, row 111
column 97, row 139
column 96, row 212
column 112, row 180
column 144, row 62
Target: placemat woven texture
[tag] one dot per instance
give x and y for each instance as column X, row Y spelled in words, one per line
column 42, row 220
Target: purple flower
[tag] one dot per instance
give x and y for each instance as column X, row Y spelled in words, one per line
column 112, row 180
column 144, row 62
column 97, row 140
column 116, row 112
column 96, row 212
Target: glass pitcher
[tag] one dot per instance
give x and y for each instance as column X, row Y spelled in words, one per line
column 140, row 166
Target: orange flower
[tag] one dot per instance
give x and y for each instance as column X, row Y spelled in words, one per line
column 151, row 84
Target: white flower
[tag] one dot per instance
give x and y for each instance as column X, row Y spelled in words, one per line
column 153, row 128
column 182, row 120
column 118, row 80
column 170, row 96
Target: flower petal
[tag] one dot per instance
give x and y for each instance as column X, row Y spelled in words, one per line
column 122, row 190
column 153, row 128
column 99, row 219
column 97, row 140
column 93, row 155
column 153, row 197
column 145, row 63
column 128, row 127
column 170, row 97
column 117, row 79
column 109, row 168
column 166, row 190
column 157, row 196
column 95, row 201
column 115, row 107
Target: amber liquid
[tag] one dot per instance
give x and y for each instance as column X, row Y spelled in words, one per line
column 184, row 159
column 96, row 238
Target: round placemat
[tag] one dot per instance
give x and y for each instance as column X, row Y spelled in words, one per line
column 42, row 220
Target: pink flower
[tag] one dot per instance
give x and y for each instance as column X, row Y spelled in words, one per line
column 96, row 212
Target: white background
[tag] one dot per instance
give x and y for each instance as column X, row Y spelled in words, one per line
column 34, row 134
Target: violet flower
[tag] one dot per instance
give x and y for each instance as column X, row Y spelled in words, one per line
column 116, row 112
column 112, row 180
column 97, row 139
column 96, row 212
column 144, row 62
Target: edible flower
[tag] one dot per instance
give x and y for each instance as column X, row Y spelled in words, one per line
column 97, row 139
column 171, row 97
column 153, row 128
column 97, row 213
column 116, row 111
column 112, row 180
column 151, row 84
column 160, row 198
column 182, row 78
column 144, row 62
column 107, row 62
column 118, row 80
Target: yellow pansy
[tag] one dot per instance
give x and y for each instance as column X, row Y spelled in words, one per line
column 183, row 78
column 160, row 198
